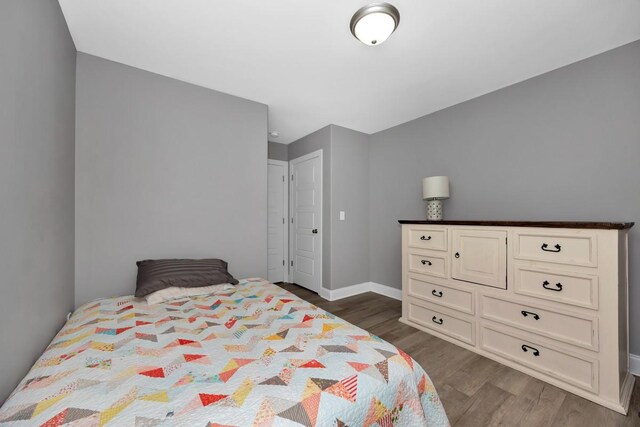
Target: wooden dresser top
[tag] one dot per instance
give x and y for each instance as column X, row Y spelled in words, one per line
column 540, row 224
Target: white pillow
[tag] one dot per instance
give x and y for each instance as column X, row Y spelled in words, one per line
column 175, row 292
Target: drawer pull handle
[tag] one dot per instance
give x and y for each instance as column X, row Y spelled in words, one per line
column 425, row 238
column 436, row 294
column 545, row 246
column 425, row 262
column 527, row 313
column 546, row 284
column 457, row 255
column 526, row 348
column 434, row 319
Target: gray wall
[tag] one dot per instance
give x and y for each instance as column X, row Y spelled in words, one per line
column 277, row 151
column 320, row 140
column 164, row 169
column 349, row 193
column 37, row 92
column 561, row 146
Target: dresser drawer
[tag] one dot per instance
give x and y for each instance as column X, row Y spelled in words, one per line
column 577, row 248
column 448, row 296
column 426, row 263
column 428, row 238
column 571, row 368
column 566, row 327
column 432, row 318
column 564, row 287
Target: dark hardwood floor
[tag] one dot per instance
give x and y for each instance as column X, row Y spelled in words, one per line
column 475, row 391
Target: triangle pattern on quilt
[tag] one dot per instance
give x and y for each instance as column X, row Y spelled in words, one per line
column 297, row 414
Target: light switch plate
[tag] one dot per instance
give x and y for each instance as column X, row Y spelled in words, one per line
column 341, row 215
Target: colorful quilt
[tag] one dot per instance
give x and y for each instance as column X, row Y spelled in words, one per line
column 254, row 356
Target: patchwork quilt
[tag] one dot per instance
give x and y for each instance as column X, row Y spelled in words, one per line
column 254, row 356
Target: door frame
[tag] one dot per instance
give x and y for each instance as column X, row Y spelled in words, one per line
column 285, row 212
column 292, row 163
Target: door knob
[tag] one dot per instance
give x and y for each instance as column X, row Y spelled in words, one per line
column 314, row 231
column 457, row 255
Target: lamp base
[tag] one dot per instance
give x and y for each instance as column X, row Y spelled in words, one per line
column 434, row 210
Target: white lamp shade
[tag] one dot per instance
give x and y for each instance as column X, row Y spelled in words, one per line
column 435, row 187
column 374, row 28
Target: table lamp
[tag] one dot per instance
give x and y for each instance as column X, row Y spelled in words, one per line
column 434, row 190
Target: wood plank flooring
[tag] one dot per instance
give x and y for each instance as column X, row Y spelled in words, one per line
column 475, row 391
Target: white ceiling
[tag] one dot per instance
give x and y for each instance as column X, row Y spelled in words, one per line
column 300, row 58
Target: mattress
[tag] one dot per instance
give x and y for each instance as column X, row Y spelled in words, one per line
column 254, row 356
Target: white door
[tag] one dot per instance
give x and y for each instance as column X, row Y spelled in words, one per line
column 480, row 257
column 306, row 220
column 277, row 244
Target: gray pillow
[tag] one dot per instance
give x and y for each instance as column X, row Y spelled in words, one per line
column 158, row 274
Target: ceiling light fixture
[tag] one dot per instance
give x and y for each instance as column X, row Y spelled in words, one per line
column 274, row 134
column 374, row 23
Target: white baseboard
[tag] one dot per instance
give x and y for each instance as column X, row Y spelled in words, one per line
column 387, row 291
column 634, row 364
column 360, row 288
column 325, row 293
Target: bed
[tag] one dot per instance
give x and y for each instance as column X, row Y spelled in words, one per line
column 256, row 355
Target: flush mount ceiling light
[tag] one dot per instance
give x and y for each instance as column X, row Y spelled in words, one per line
column 374, row 23
column 274, row 134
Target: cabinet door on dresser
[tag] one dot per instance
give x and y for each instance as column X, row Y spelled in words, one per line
column 480, row 256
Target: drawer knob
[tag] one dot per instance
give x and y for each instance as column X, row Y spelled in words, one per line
column 425, row 238
column 545, row 248
column 425, row 262
column 527, row 313
column 547, row 286
column 436, row 294
column 434, row 319
column 526, row 348
column 457, row 255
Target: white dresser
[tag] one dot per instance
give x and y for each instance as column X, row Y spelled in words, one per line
column 546, row 298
